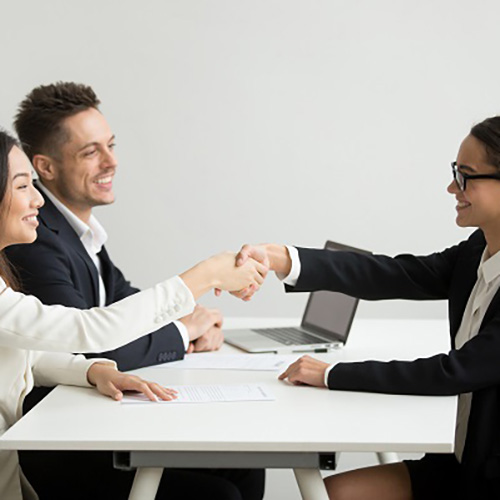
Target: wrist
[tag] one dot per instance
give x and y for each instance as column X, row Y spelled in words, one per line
column 96, row 369
column 279, row 259
column 201, row 278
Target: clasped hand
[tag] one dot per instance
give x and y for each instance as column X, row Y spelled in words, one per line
column 255, row 255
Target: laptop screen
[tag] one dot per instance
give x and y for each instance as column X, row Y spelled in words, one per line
column 331, row 313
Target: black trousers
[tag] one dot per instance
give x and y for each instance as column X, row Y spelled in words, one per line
column 441, row 476
column 82, row 475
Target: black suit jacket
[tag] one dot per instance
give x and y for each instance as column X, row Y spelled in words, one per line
column 58, row 270
column 475, row 368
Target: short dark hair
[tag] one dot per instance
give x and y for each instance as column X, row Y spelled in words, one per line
column 40, row 116
column 7, row 142
column 488, row 133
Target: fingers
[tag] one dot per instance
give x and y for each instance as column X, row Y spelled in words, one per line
column 151, row 390
column 210, row 341
column 289, row 370
column 243, row 255
column 306, row 370
column 217, row 292
column 262, row 269
column 163, row 393
column 110, row 390
column 217, row 318
column 190, row 348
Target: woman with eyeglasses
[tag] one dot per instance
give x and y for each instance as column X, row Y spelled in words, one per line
column 27, row 327
column 468, row 276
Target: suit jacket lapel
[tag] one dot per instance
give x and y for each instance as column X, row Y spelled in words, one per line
column 466, row 269
column 56, row 222
column 107, row 275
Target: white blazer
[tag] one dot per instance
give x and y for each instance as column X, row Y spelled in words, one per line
column 27, row 325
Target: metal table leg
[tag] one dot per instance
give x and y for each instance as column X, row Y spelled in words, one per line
column 146, row 482
column 387, row 457
column 311, row 484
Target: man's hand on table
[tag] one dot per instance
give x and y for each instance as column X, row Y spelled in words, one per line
column 204, row 327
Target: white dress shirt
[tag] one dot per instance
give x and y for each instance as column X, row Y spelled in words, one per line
column 93, row 237
column 487, row 285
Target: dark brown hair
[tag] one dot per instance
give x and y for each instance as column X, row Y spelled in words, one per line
column 488, row 132
column 40, row 116
column 7, row 142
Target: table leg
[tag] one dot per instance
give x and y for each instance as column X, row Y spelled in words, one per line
column 311, row 484
column 146, row 482
column 387, row 457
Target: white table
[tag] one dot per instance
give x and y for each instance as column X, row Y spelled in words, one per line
column 302, row 429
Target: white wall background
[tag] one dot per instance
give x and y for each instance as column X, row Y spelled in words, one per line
column 278, row 120
column 269, row 120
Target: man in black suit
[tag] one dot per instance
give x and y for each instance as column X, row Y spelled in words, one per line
column 71, row 147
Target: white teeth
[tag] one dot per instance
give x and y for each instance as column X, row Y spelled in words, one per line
column 104, row 180
column 462, row 204
column 31, row 218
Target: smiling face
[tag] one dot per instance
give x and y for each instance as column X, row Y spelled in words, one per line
column 479, row 204
column 81, row 176
column 21, row 202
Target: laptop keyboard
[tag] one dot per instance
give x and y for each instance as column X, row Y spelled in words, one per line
column 289, row 336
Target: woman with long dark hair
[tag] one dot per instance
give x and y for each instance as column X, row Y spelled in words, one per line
column 468, row 277
column 28, row 328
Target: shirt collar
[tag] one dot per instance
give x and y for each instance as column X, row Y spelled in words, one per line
column 92, row 235
column 489, row 266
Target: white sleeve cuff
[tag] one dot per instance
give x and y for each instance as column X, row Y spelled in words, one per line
column 183, row 332
column 293, row 275
column 327, row 372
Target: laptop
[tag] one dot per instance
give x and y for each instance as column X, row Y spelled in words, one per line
column 325, row 325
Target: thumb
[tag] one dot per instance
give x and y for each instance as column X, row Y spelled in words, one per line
column 112, row 391
column 243, row 255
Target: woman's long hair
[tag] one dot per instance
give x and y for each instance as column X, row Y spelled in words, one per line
column 7, row 142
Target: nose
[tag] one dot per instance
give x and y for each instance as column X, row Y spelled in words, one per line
column 37, row 200
column 109, row 159
column 452, row 187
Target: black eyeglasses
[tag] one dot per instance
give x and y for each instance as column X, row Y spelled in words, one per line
column 461, row 178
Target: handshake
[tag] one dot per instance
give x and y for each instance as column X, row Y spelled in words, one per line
column 241, row 273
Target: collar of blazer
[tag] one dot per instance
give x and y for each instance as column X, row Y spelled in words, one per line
column 466, row 267
column 55, row 221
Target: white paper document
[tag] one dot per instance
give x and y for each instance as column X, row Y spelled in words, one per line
column 209, row 394
column 211, row 361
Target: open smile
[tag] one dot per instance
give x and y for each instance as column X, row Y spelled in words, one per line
column 31, row 220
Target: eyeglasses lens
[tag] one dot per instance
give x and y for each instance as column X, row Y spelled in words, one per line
column 459, row 178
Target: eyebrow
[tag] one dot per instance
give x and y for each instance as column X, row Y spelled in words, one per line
column 94, row 143
column 466, row 168
column 21, row 174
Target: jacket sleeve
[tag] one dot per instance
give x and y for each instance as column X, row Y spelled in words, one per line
column 162, row 345
column 53, row 368
column 26, row 323
column 473, row 367
column 376, row 277
column 46, row 270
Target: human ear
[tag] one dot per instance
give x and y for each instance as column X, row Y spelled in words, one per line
column 44, row 167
